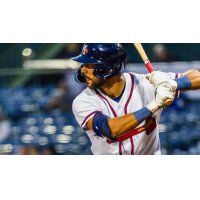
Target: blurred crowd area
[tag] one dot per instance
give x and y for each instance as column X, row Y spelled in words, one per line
column 36, row 110
column 168, row 52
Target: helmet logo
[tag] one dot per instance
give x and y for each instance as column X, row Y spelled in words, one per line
column 85, row 50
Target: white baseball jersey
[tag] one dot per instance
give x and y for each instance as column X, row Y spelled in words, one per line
column 138, row 93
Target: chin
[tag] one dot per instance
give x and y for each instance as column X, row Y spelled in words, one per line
column 95, row 85
column 91, row 87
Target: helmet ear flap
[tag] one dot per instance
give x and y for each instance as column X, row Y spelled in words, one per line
column 79, row 77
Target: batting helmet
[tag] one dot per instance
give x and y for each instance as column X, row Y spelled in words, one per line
column 109, row 57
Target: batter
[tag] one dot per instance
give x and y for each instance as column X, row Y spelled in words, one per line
column 119, row 111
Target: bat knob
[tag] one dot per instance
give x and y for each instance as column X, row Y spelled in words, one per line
column 168, row 102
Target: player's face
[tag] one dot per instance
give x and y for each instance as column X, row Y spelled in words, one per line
column 92, row 81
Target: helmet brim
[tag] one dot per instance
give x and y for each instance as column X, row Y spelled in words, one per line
column 86, row 60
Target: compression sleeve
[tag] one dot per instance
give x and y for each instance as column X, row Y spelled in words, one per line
column 101, row 127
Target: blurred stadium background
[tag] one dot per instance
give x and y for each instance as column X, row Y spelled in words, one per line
column 37, row 88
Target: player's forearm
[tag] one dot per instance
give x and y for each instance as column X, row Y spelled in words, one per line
column 190, row 80
column 194, row 77
column 122, row 125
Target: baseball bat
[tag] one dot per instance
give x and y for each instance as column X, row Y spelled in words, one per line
column 144, row 57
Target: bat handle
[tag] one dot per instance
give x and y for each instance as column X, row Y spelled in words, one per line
column 150, row 68
column 148, row 65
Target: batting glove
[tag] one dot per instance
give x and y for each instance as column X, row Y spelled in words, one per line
column 157, row 78
column 162, row 94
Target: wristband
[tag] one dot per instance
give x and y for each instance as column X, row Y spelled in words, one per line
column 183, row 83
column 142, row 114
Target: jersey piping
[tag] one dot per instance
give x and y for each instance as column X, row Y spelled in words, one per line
column 89, row 116
column 177, row 92
column 107, row 102
column 125, row 109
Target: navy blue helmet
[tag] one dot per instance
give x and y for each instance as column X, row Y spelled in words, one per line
column 110, row 59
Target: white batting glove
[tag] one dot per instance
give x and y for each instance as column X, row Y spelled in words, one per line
column 162, row 94
column 170, row 85
column 157, row 78
column 173, row 84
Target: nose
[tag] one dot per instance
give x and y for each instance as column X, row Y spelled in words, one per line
column 84, row 70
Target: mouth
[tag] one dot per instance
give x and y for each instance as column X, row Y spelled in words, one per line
column 87, row 79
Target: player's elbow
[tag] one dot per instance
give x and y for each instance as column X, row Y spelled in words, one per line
column 195, row 71
column 195, row 79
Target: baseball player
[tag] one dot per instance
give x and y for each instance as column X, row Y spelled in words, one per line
column 120, row 111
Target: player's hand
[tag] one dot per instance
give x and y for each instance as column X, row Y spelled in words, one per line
column 162, row 94
column 157, row 78
column 169, row 86
column 173, row 84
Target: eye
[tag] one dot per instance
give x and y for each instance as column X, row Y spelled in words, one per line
column 103, row 71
